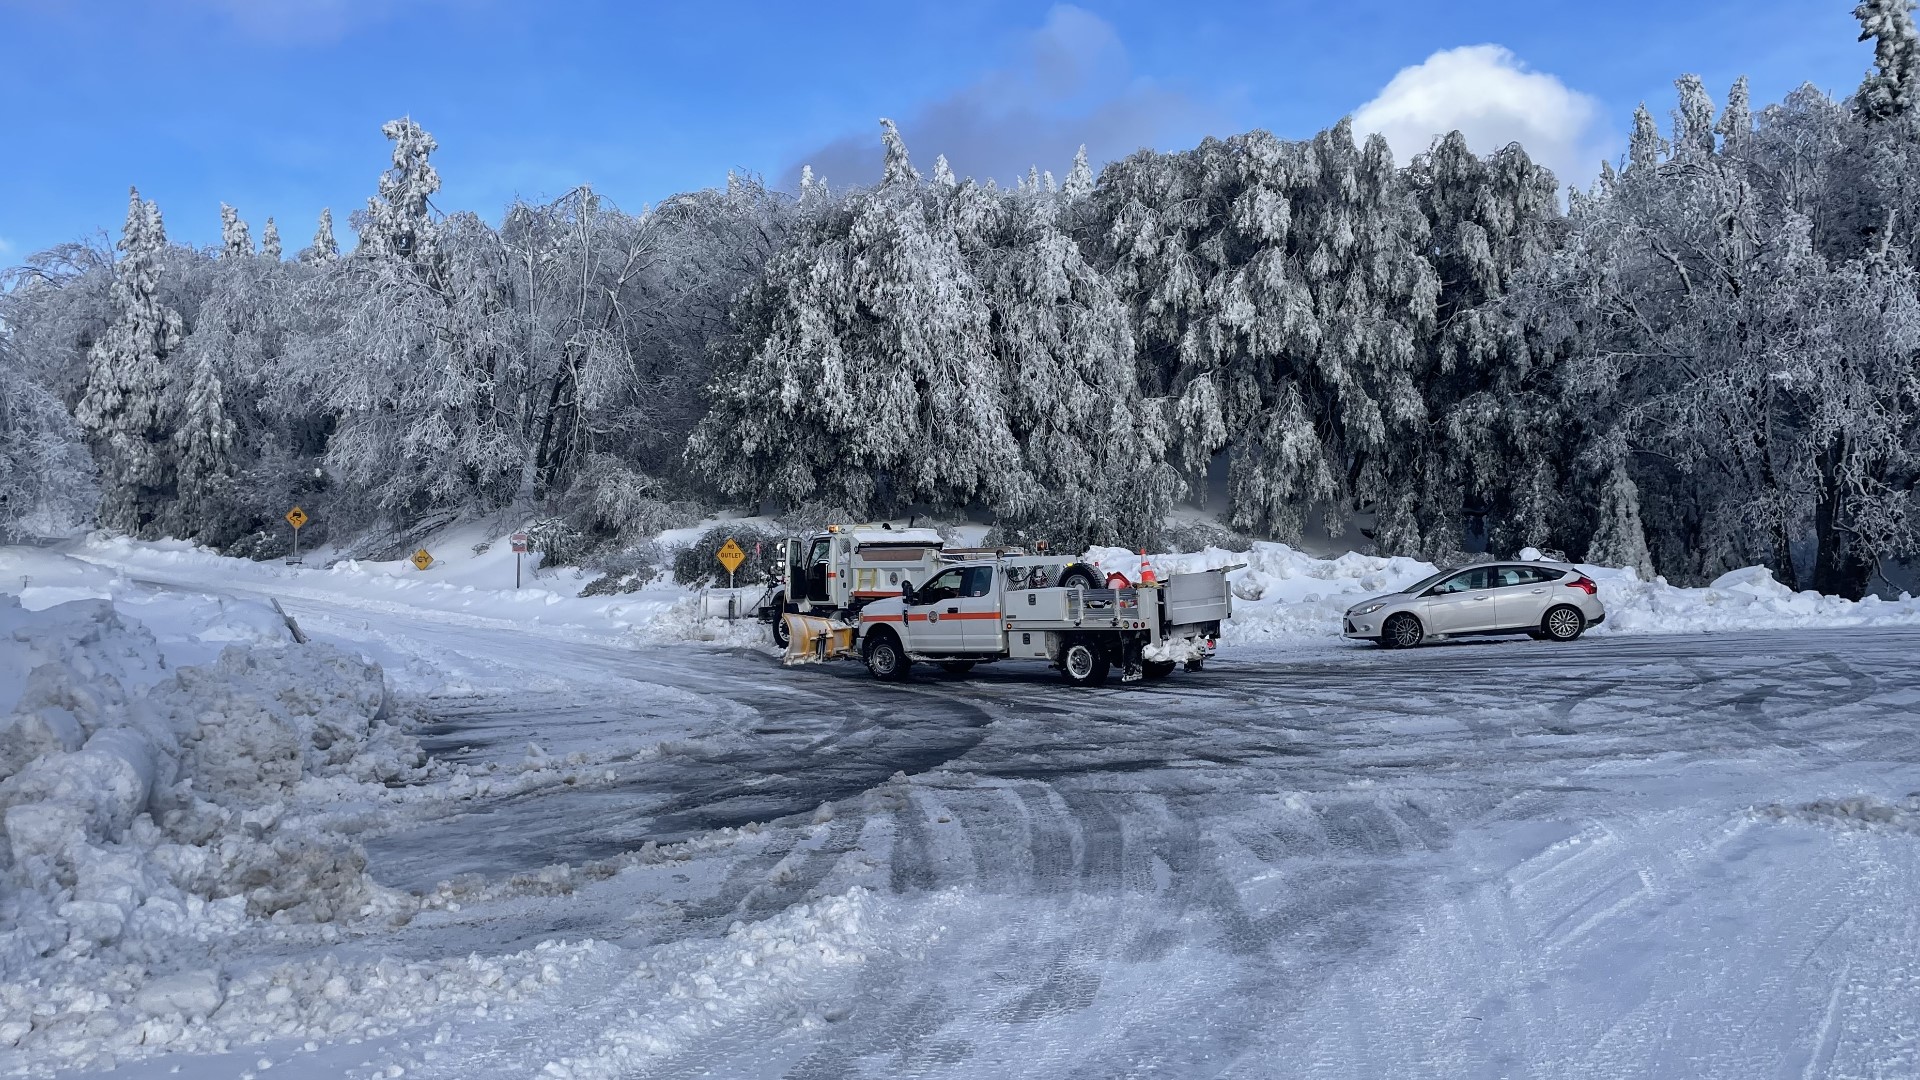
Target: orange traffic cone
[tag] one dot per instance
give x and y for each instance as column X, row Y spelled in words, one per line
column 1147, row 580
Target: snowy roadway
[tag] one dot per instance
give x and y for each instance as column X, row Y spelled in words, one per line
column 1613, row 858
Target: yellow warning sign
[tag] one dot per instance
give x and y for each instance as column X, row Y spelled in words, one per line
column 422, row 560
column 731, row 556
column 296, row 517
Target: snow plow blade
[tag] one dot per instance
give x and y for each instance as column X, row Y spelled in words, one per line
column 814, row 638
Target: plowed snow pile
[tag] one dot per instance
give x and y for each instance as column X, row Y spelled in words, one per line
column 1282, row 594
column 144, row 810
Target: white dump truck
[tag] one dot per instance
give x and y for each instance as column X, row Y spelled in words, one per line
column 832, row 574
column 1013, row 606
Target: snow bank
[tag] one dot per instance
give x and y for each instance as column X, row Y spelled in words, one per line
column 1284, row 596
column 142, row 808
column 40, row 578
column 470, row 581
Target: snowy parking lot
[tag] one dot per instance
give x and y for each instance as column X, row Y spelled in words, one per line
column 1646, row 855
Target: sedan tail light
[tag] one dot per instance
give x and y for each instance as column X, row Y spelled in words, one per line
column 1585, row 584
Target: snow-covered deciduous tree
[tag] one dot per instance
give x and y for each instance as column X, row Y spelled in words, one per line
column 130, row 371
column 1753, row 382
column 234, row 239
column 46, row 473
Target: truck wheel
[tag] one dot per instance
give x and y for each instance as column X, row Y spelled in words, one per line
column 957, row 668
column 1084, row 662
column 781, row 638
column 1196, row 665
column 1156, row 669
column 1079, row 576
column 885, row 659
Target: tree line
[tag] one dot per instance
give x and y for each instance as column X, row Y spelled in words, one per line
column 1705, row 361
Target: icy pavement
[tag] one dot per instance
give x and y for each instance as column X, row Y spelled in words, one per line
column 1689, row 855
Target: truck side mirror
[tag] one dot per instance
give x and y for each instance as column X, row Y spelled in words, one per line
column 906, row 593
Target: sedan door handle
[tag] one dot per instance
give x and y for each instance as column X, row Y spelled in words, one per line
column 1537, row 592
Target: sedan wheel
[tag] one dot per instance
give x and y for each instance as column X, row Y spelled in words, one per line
column 1403, row 631
column 1564, row 623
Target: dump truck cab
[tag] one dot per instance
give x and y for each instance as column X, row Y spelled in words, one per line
column 839, row 570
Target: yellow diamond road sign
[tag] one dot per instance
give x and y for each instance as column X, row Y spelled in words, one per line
column 422, row 560
column 296, row 517
column 731, row 556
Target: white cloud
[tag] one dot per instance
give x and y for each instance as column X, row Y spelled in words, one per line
column 1489, row 96
column 6, row 247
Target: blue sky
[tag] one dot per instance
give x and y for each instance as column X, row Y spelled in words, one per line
column 275, row 105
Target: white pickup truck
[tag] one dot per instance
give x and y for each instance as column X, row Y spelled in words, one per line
column 1008, row 607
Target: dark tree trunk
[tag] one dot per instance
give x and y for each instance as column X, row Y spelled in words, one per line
column 1840, row 568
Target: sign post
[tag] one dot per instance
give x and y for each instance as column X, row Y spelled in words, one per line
column 296, row 517
column 519, row 549
column 731, row 556
column 421, row 560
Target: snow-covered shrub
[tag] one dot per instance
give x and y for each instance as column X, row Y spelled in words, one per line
column 699, row 563
column 624, row 571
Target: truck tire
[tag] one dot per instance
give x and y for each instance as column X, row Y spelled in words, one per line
column 885, row 658
column 1156, row 669
column 1079, row 576
column 781, row 639
column 1083, row 662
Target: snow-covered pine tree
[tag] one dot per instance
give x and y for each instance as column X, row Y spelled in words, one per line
column 1620, row 539
column 1487, row 376
column 325, row 249
column 863, row 372
column 130, row 369
column 1093, row 454
column 204, row 442
column 1693, row 121
column 1889, row 89
column 399, row 220
column 1079, row 182
column 1280, row 284
column 234, row 241
column 1736, row 121
column 270, row 240
column 1645, row 147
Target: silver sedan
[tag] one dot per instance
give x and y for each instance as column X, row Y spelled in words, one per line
column 1549, row 601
